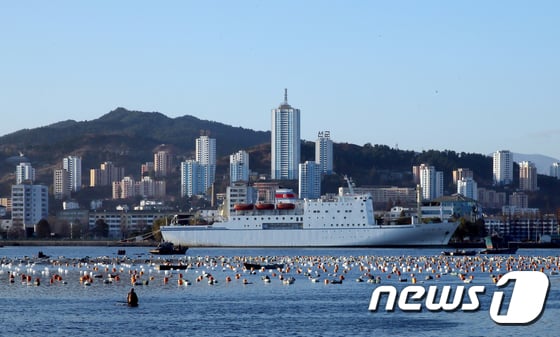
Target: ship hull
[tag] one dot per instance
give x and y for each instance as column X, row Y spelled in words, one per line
column 431, row 234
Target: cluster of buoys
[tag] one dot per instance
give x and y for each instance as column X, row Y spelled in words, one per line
column 324, row 269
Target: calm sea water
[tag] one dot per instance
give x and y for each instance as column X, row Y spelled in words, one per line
column 304, row 308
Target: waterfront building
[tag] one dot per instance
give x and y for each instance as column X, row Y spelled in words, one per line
column 239, row 167
column 502, row 167
column 25, row 173
column 30, row 204
column 124, row 224
column 522, row 225
column 555, row 170
column 468, row 187
column 527, row 176
column 285, row 141
column 461, row 173
column 206, row 157
column 431, row 182
column 73, row 164
column 163, row 163
column 192, row 178
column 105, row 174
column 324, row 152
column 61, row 188
column 309, row 180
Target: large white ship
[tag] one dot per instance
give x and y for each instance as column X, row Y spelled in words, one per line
column 343, row 220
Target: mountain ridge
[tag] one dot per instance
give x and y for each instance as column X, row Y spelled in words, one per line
column 128, row 138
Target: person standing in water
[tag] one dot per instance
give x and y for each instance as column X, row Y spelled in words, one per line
column 132, row 299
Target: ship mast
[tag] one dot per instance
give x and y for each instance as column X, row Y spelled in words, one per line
column 350, row 185
column 419, row 203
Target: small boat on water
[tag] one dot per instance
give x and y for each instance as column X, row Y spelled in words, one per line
column 257, row 266
column 167, row 248
column 459, row 252
column 497, row 245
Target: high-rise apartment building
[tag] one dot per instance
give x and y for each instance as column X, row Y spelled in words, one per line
column 324, row 152
column 239, row 167
column 502, row 168
column 61, row 188
column 192, row 178
column 285, row 141
column 468, row 187
column 527, row 176
column 73, row 164
column 309, row 182
column 163, row 163
column 461, row 173
column 145, row 188
column 431, row 182
column 25, row 173
column 30, row 204
column 105, row 175
column 519, row 200
column 206, row 157
column 555, row 170
column 125, row 188
column 147, row 168
column 150, row 188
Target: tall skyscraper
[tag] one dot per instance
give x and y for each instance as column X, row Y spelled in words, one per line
column 239, row 167
column 285, row 141
column 206, row 157
column 502, row 167
column 24, row 173
column 431, row 182
column 30, row 204
column 309, row 180
column 324, row 152
column 73, row 164
column 527, row 176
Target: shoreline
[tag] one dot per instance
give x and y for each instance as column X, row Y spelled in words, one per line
column 114, row 243
column 70, row 243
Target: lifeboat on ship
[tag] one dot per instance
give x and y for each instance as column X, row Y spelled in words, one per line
column 243, row 207
column 285, row 205
column 264, row 206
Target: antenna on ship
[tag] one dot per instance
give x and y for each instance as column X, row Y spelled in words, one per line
column 419, row 202
column 350, row 184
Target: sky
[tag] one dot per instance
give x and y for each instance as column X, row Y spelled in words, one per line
column 471, row 76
